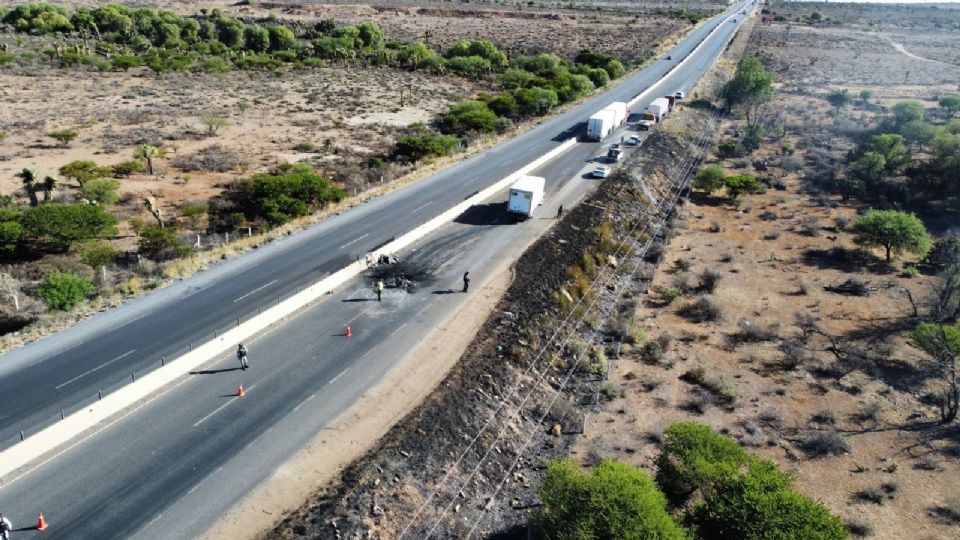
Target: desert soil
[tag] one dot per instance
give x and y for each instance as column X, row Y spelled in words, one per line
column 776, row 252
column 335, row 118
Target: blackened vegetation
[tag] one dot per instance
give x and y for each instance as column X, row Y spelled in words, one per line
column 383, row 491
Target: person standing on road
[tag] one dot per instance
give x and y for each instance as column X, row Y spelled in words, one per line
column 242, row 356
column 560, row 212
column 379, row 288
column 466, row 281
column 5, row 527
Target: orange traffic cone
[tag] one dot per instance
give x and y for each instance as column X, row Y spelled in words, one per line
column 41, row 523
column 240, row 392
column 348, row 331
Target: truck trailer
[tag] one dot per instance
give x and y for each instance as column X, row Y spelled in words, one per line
column 620, row 111
column 659, row 108
column 600, row 124
column 525, row 195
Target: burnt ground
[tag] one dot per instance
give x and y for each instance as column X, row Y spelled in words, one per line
column 519, row 359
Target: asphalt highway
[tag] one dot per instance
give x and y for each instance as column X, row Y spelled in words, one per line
column 65, row 371
column 168, row 468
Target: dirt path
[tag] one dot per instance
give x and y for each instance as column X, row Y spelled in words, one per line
column 900, row 48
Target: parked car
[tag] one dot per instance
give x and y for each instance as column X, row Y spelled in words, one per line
column 602, row 171
column 633, row 140
column 644, row 125
column 679, row 95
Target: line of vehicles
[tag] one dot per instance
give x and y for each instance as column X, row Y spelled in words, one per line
column 527, row 192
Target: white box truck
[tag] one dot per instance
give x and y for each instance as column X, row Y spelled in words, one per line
column 525, row 195
column 600, row 124
column 620, row 112
column 659, row 108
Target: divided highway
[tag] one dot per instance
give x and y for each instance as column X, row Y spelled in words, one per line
column 165, row 470
column 67, row 370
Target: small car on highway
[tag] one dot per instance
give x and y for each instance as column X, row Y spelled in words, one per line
column 602, row 171
column 633, row 140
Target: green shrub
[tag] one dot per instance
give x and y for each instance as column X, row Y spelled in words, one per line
column 100, row 190
column 504, row 105
column 744, row 183
column 759, row 505
column 126, row 61
column 614, row 500
column 97, row 253
column 469, row 116
column 669, row 294
column 693, row 457
column 288, row 192
column 416, row 147
column 709, row 179
column 63, row 291
column 536, row 101
column 161, row 243
column 928, row 337
column 126, row 168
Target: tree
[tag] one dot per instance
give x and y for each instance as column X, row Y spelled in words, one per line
column 760, row 505
column 614, row 500
column 49, row 186
column 694, row 457
column 871, row 168
column 536, row 101
column 63, row 291
column 213, row 122
column 709, row 179
column 918, row 133
column 243, row 105
column 96, row 253
column 83, row 170
column 370, row 34
column 282, row 38
column 60, row 225
column 907, row 111
column 29, row 180
column 148, row 152
column 64, row 136
column 865, row 95
column 160, row 243
column 893, row 149
column 944, row 253
column 839, row 99
column 469, row 116
column 892, row 230
column 101, row 191
column 740, row 184
column 256, row 38
column 950, row 103
column 750, row 89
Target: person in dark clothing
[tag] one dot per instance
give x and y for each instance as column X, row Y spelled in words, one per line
column 379, row 288
column 466, row 281
column 560, row 212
